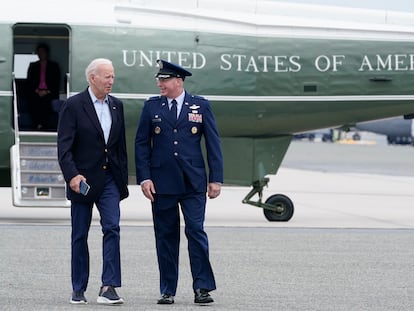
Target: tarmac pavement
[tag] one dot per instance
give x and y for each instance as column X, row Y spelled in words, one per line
column 349, row 245
column 256, row 269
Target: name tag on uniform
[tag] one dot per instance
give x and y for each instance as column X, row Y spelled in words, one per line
column 195, row 117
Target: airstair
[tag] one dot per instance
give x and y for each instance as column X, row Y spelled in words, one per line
column 36, row 178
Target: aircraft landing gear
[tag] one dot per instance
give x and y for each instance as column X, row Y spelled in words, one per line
column 277, row 207
column 283, row 208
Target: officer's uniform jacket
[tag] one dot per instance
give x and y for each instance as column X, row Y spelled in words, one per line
column 169, row 152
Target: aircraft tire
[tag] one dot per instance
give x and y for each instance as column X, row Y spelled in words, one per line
column 280, row 201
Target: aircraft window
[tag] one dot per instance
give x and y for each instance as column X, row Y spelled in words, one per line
column 21, row 64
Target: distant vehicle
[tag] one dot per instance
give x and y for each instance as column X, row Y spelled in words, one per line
column 325, row 135
column 399, row 131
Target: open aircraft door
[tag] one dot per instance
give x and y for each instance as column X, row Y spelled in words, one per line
column 36, row 178
column 5, row 102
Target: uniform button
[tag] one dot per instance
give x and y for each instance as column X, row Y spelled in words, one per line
column 175, row 142
column 175, row 131
column 176, row 153
column 104, row 167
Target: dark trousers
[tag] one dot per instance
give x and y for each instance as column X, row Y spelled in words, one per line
column 108, row 207
column 41, row 111
column 166, row 219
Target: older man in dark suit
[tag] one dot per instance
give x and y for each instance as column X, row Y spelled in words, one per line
column 92, row 149
column 171, row 171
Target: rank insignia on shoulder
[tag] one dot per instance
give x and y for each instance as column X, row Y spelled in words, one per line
column 157, row 130
column 154, row 98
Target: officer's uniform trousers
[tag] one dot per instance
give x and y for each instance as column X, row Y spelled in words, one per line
column 166, row 219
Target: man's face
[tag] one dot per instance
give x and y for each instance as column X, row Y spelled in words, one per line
column 42, row 53
column 170, row 87
column 102, row 80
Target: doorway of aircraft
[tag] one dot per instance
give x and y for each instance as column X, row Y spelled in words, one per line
column 26, row 37
column 36, row 177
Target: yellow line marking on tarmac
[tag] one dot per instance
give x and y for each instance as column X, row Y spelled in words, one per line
column 356, row 142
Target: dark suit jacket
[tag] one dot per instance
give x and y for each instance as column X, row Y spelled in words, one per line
column 82, row 148
column 52, row 77
column 170, row 154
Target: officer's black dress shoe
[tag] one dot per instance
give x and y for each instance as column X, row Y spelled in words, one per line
column 202, row 296
column 166, row 299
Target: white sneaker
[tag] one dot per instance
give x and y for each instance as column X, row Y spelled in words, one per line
column 109, row 297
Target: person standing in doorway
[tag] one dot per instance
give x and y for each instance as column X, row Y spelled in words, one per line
column 92, row 150
column 171, row 171
column 43, row 80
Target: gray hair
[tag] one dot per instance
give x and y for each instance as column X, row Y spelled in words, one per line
column 93, row 66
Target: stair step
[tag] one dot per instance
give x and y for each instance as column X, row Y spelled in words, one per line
column 37, row 178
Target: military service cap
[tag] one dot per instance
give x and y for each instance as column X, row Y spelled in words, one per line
column 169, row 70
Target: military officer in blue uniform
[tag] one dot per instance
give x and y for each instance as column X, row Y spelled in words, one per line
column 171, row 171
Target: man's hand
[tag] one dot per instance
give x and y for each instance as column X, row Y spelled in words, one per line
column 148, row 189
column 214, row 190
column 75, row 181
column 42, row 93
